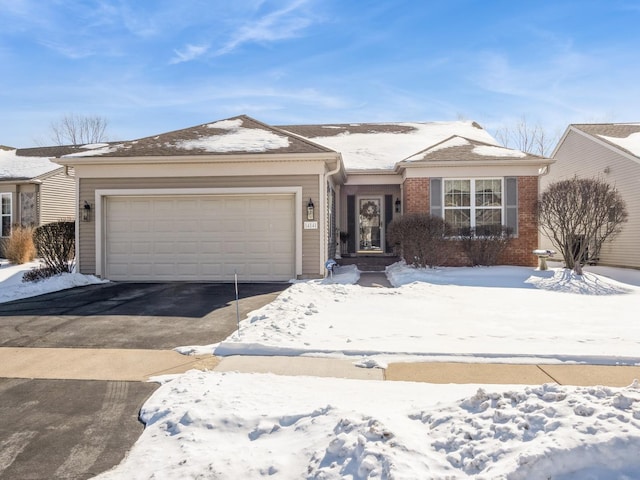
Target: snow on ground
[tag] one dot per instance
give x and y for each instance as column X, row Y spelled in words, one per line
column 13, row 288
column 497, row 314
column 235, row 425
column 231, row 426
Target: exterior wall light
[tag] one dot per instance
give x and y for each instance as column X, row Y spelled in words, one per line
column 86, row 212
column 398, row 205
column 310, row 210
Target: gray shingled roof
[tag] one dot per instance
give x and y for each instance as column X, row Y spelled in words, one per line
column 334, row 129
column 457, row 148
column 380, row 146
column 615, row 130
column 232, row 136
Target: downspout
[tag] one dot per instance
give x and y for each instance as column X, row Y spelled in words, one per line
column 18, row 208
column 324, row 237
column 38, row 204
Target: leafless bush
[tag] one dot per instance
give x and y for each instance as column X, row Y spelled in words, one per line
column 420, row 239
column 483, row 245
column 19, row 247
column 578, row 216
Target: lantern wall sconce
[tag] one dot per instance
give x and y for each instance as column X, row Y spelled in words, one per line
column 86, row 212
column 398, row 205
column 310, row 208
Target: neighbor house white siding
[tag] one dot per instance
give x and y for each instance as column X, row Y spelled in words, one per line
column 579, row 155
column 57, row 198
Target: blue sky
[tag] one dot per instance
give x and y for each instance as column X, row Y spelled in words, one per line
column 151, row 66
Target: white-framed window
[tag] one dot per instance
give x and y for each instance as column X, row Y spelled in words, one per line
column 6, row 218
column 476, row 203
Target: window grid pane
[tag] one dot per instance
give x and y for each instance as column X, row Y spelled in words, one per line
column 6, row 205
column 5, row 214
column 474, row 203
column 457, row 193
column 488, row 193
column 458, row 218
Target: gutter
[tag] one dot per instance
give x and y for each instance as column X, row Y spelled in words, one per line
column 323, row 195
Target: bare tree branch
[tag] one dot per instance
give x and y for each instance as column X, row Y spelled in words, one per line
column 75, row 129
column 526, row 137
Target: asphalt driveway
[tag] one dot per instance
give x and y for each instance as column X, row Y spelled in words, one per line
column 131, row 315
column 75, row 429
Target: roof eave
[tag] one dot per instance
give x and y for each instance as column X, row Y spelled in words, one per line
column 213, row 158
column 19, row 181
column 494, row 162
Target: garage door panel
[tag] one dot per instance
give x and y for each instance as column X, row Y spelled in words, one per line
column 200, row 238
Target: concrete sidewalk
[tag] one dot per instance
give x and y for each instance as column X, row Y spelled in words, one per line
column 374, row 279
column 96, row 364
column 140, row 365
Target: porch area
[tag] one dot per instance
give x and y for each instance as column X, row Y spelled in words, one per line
column 369, row 263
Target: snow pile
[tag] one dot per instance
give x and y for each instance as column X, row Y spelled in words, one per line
column 216, row 425
column 497, row 314
column 238, row 139
column 345, row 275
column 13, row 288
column 541, row 433
column 18, row 167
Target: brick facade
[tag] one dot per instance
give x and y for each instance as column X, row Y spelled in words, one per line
column 519, row 252
column 416, row 195
column 416, row 200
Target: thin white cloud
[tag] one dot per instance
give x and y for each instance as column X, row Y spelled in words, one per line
column 282, row 24
column 188, row 53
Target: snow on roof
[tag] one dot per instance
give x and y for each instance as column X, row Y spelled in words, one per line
column 630, row 142
column 239, row 139
column 15, row 167
column 457, row 149
column 94, row 150
column 625, row 136
column 381, row 146
column 495, row 151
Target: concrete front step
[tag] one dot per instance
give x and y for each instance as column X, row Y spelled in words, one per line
column 369, row 263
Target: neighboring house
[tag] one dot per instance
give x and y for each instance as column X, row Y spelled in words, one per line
column 33, row 191
column 610, row 152
column 241, row 197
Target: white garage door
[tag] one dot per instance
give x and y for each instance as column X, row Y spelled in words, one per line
column 200, row 237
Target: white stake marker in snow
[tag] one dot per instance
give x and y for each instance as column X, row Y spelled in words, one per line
column 237, row 304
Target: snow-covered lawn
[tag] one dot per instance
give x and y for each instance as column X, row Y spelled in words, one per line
column 497, row 314
column 233, row 425
column 13, row 288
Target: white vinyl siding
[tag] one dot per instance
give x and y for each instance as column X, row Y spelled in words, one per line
column 579, row 155
column 57, row 198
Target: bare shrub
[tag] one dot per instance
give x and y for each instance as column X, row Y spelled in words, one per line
column 420, row 239
column 55, row 243
column 484, row 245
column 19, row 247
column 578, row 216
column 39, row 273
